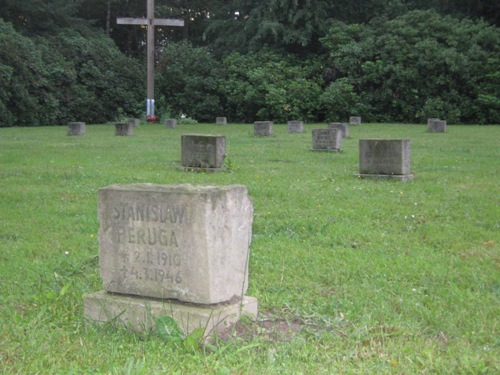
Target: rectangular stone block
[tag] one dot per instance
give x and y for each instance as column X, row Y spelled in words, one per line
column 170, row 123
column 135, row 122
column 184, row 242
column 203, row 151
column 326, row 139
column 295, row 126
column 355, row 120
column 124, row 129
column 221, row 121
column 342, row 126
column 76, row 128
column 384, row 156
column 435, row 125
column 263, row 128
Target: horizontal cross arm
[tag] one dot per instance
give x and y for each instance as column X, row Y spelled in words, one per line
column 144, row 21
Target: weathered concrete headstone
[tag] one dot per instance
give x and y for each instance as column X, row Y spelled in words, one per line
column 221, row 121
column 326, row 140
column 435, row 125
column 385, row 158
column 76, row 128
column 135, row 122
column 295, row 126
column 170, row 123
column 342, row 126
column 355, row 120
column 124, row 128
column 263, row 128
column 178, row 250
column 203, row 152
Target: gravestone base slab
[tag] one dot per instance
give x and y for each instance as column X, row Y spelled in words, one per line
column 141, row 313
column 399, row 177
column 204, row 170
column 317, row 150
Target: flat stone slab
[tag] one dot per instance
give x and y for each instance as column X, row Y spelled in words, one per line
column 141, row 313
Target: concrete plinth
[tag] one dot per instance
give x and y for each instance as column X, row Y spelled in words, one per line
column 403, row 178
column 141, row 313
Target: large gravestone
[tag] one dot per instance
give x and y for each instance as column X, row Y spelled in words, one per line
column 355, row 120
column 178, row 250
column 435, row 125
column 263, row 128
column 124, row 128
column 221, row 121
column 385, row 159
column 76, row 128
column 203, row 152
column 326, row 140
column 295, row 126
column 342, row 126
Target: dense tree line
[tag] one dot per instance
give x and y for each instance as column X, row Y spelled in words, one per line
column 317, row 60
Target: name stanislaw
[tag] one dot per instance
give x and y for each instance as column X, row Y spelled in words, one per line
column 149, row 213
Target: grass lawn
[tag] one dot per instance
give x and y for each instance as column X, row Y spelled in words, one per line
column 352, row 275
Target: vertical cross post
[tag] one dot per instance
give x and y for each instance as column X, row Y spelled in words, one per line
column 150, row 22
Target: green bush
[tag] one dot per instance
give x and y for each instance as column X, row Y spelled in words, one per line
column 66, row 77
column 410, row 66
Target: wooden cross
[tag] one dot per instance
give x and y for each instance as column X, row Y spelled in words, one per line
column 150, row 22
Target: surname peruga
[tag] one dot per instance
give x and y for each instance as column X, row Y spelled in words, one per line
column 149, row 213
column 146, row 236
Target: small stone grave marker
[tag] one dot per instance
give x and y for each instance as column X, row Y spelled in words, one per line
column 355, row 120
column 263, row 128
column 178, row 250
column 344, row 127
column 295, row 126
column 170, row 123
column 135, row 122
column 435, row 125
column 124, row 128
column 203, row 152
column 326, row 139
column 221, row 121
column 385, row 159
column 76, row 128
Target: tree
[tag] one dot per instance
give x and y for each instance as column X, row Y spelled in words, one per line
column 71, row 75
column 265, row 86
column 188, row 82
column 413, row 66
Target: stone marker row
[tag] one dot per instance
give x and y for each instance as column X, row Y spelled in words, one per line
column 182, row 250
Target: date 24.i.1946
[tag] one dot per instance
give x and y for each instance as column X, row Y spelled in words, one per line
column 154, row 266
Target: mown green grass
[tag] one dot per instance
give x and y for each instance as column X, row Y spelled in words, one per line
column 383, row 276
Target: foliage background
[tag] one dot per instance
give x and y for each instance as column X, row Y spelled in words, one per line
column 316, row 60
